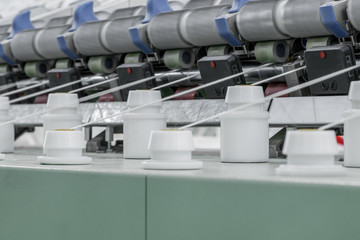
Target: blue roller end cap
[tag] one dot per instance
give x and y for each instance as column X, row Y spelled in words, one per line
column 5, row 57
column 83, row 14
column 21, row 23
column 154, row 7
column 65, row 49
column 225, row 33
column 237, row 5
column 137, row 41
column 328, row 18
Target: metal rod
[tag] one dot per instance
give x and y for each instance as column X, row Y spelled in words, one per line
column 278, row 94
column 25, row 88
column 84, row 99
column 94, row 85
column 177, row 94
column 44, row 92
column 175, row 82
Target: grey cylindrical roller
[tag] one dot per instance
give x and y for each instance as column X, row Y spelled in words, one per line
column 128, row 12
column 115, row 35
column 87, row 39
column 164, row 30
column 59, row 21
column 46, row 43
column 301, row 18
column 353, row 12
column 199, row 28
column 23, row 47
column 192, row 4
column 229, row 2
column 256, row 21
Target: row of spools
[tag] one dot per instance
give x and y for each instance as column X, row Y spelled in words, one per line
column 256, row 21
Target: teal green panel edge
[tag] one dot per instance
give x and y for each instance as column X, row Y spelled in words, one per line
column 204, row 209
column 53, row 205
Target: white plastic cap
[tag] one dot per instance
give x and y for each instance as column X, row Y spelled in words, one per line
column 4, row 103
column 310, row 142
column 310, row 153
column 65, row 100
column 64, row 139
column 240, row 95
column 172, row 150
column 64, row 147
column 171, row 140
column 354, row 94
column 141, row 97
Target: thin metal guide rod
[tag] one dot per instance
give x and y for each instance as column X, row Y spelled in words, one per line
column 275, row 95
column 84, row 99
column 25, row 88
column 178, row 94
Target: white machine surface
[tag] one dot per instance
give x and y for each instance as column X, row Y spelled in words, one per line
column 114, row 164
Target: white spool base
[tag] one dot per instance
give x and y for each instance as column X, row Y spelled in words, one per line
column 2, row 157
column 311, row 171
column 64, row 160
column 172, row 165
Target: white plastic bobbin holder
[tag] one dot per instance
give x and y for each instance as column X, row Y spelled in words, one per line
column 172, row 150
column 62, row 112
column 64, row 147
column 245, row 133
column 139, row 124
column 310, row 153
column 7, row 131
column 352, row 128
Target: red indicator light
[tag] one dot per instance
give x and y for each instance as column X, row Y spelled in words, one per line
column 58, row 75
column 322, row 55
column 129, row 70
column 212, row 64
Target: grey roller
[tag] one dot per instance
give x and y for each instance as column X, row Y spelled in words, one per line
column 23, row 46
column 46, row 43
column 301, row 18
column 176, row 5
column 115, row 35
column 255, row 21
column 87, row 39
column 353, row 12
column 60, row 21
column 128, row 12
column 229, row 2
column 192, row 4
column 199, row 27
column 164, row 31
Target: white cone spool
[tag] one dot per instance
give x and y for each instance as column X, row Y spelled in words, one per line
column 352, row 129
column 65, row 117
column 245, row 133
column 64, row 147
column 139, row 124
column 172, row 150
column 7, row 131
column 310, row 153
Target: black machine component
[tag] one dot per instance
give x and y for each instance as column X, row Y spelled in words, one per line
column 321, row 61
column 59, row 77
column 7, row 78
column 217, row 67
column 132, row 72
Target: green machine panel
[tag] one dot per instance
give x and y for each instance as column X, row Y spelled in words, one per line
column 70, row 205
column 181, row 208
